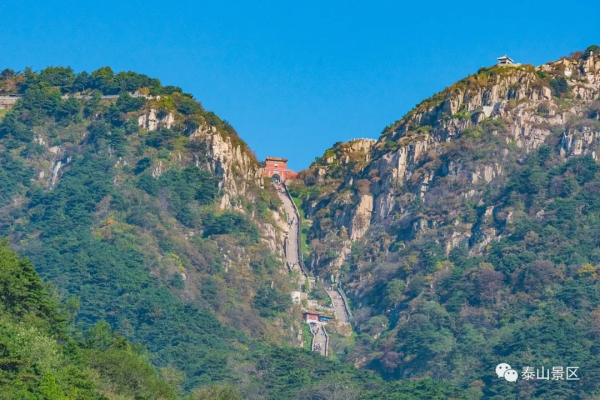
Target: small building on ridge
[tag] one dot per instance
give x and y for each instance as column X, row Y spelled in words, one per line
column 505, row 60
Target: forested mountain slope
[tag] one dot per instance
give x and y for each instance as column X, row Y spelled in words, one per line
column 42, row 357
column 33, row 365
column 146, row 210
column 467, row 235
column 147, row 216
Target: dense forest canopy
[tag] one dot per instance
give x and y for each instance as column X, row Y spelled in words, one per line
column 40, row 357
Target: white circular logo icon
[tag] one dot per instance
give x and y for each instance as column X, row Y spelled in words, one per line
column 504, row 370
column 511, row 375
column 501, row 369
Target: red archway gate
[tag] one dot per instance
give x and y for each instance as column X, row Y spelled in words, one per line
column 278, row 166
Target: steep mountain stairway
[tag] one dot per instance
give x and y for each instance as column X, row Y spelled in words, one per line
column 293, row 250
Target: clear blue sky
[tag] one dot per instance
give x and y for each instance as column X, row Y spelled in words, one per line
column 295, row 77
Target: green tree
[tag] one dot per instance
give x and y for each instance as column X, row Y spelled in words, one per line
column 394, row 291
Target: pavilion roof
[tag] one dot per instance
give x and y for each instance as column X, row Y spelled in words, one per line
column 276, row 159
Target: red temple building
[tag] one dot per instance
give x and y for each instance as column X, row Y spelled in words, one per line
column 277, row 167
column 315, row 316
column 311, row 316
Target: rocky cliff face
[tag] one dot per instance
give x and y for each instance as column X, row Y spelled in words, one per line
column 232, row 162
column 465, row 138
column 240, row 175
column 225, row 156
column 151, row 120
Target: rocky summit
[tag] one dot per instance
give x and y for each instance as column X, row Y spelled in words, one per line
column 149, row 254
